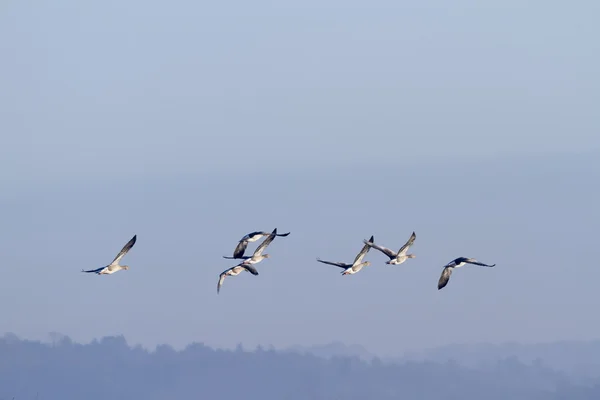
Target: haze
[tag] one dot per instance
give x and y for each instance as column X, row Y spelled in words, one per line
column 191, row 124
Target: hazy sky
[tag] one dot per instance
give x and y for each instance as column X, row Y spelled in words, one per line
column 193, row 123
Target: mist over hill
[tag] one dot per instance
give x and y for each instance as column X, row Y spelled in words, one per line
column 580, row 360
column 110, row 368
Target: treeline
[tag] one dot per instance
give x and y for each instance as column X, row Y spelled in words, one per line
column 111, row 369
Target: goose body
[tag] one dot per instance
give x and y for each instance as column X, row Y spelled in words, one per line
column 114, row 266
column 240, row 249
column 234, row 271
column 357, row 265
column 457, row 263
column 396, row 258
column 258, row 255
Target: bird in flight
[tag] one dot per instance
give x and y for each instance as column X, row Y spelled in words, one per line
column 114, row 265
column 456, row 263
column 400, row 256
column 251, row 237
column 234, row 271
column 258, row 256
column 358, row 263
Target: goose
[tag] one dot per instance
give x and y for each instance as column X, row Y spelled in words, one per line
column 251, row 237
column 456, row 263
column 114, row 265
column 357, row 265
column 234, row 271
column 400, row 256
column 258, row 256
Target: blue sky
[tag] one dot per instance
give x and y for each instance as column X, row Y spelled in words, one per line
column 191, row 124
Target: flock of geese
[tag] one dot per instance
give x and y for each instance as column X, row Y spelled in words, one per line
column 248, row 262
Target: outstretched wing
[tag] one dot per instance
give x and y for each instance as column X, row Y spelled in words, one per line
column 384, row 250
column 124, row 250
column 363, row 252
column 445, row 277
column 94, row 270
column 221, row 280
column 237, row 258
column 250, row 268
column 265, row 243
column 404, row 249
column 475, row 262
column 337, row 264
column 240, row 249
column 283, row 234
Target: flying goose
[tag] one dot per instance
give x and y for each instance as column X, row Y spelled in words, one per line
column 251, row 237
column 400, row 256
column 114, row 265
column 357, row 265
column 234, row 271
column 459, row 262
column 258, row 256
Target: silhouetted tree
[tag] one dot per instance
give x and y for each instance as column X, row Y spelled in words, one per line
column 111, row 369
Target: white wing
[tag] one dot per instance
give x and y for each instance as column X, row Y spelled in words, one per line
column 404, row 249
column 445, row 277
column 124, row 250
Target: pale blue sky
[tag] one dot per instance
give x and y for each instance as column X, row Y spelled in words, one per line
column 193, row 123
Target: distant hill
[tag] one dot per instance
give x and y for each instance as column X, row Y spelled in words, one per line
column 580, row 360
column 111, row 369
column 333, row 349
